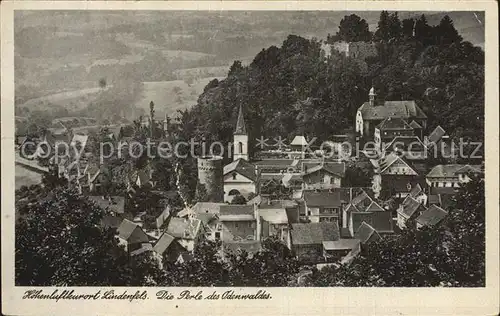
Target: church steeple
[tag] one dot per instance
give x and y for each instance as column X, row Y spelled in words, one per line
column 240, row 124
column 240, row 138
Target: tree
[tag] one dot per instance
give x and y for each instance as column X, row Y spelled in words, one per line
column 407, row 28
column 239, row 199
column 445, row 33
column 60, row 242
column 353, row 29
column 383, row 32
column 394, row 26
column 235, row 68
column 423, row 31
column 201, row 194
column 102, row 83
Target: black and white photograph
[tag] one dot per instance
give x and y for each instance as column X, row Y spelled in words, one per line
column 239, row 148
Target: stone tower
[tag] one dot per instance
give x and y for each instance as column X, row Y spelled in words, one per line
column 210, row 174
column 372, row 95
column 240, row 138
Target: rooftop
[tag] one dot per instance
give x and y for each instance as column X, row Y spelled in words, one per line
column 452, row 170
column 314, row 233
column 395, row 109
column 322, row 198
column 242, row 167
column 432, row 216
column 341, row 244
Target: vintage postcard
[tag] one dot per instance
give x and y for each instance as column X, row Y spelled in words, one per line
column 253, row 158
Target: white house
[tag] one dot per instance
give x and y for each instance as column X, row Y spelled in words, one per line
column 451, row 176
column 240, row 178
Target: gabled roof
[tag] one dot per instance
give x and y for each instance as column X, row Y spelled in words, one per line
column 404, row 143
column 274, row 215
column 242, row 167
column 365, row 233
column 336, row 168
column 359, row 217
column 436, row 135
column 299, row 141
column 127, row 229
column 395, row 109
column 390, row 159
column 452, row 170
column 374, row 207
column 144, row 248
column 410, row 206
column 314, row 233
column 322, row 198
column 432, row 216
column 163, row 243
column 382, row 222
column 416, row 190
column 435, row 199
column 235, row 209
column 240, row 124
column 341, row 244
column 415, row 125
column 393, row 123
column 183, row 228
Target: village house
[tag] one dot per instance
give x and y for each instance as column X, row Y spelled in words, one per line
column 322, row 206
column 131, row 236
column 451, row 176
column 339, row 249
column 410, row 147
column 408, row 210
column 240, row 178
column 431, row 217
column 373, row 112
column 308, row 238
column 364, row 208
column 239, row 222
column 186, row 231
column 274, row 221
column 366, row 234
column 325, row 175
column 390, row 128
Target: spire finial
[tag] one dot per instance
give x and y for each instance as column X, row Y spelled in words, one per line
column 240, row 123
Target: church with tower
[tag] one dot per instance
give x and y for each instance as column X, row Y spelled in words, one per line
column 240, row 176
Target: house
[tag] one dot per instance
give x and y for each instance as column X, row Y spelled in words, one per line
column 410, row 147
column 293, row 181
column 398, row 175
column 308, row 238
column 409, row 209
column 431, row 217
column 322, row 206
column 366, row 234
column 277, row 166
column 187, row 232
column 167, row 249
column 418, row 194
column 451, row 176
column 373, row 112
column 339, row 249
column 390, row 128
column 240, row 178
column 439, row 144
column 298, row 144
column 274, row 222
column 239, row 222
column 325, row 175
column 131, row 236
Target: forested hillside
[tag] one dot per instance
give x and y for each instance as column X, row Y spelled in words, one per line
column 296, row 89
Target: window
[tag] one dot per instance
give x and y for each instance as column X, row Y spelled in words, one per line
column 234, row 175
column 240, row 147
column 217, row 235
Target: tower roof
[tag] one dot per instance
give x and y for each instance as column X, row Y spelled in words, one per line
column 372, row 91
column 240, row 124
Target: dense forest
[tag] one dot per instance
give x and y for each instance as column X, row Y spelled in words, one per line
column 297, row 89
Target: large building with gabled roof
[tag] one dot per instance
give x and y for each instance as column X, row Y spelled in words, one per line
column 373, row 112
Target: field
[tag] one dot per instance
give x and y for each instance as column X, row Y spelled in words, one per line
column 170, row 96
column 26, row 177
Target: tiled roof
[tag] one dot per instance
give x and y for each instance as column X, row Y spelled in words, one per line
column 144, row 248
column 393, row 123
column 240, row 124
column 242, row 167
column 416, row 190
column 322, row 198
column 207, row 207
column 365, row 233
column 274, row 215
column 341, row 244
column 382, row 222
column 358, row 218
column 404, row 143
column 163, row 243
column 374, row 207
column 410, row 206
column 250, row 246
column 432, row 216
column 314, row 233
column 436, row 135
column 435, row 199
column 127, row 229
column 236, row 218
column 451, row 170
column 183, row 228
column 337, row 168
column 395, row 109
column 234, row 209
